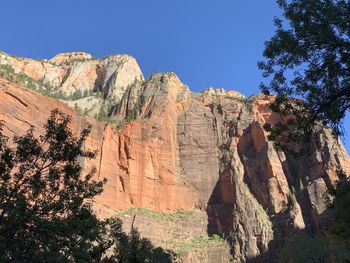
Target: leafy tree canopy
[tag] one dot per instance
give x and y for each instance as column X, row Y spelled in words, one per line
column 46, row 203
column 308, row 64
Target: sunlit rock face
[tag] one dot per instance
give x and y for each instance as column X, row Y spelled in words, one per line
column 79, row 79
column 168, row 149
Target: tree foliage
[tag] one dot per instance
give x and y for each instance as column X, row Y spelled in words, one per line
column 307, row 67
column 133, row 248
column 335, row 247
column 308, row 64
column 317, row 249
column 339, row 203
column 46, row 203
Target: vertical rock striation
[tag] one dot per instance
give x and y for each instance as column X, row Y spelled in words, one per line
column 170, row 149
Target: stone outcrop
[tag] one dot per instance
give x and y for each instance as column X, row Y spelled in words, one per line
column 70, row 56
column 171, row 149
column 77, row 77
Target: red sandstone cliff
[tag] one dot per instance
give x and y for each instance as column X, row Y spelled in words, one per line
column 179, row 150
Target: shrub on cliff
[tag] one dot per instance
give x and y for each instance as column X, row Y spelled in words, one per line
column 45, row 202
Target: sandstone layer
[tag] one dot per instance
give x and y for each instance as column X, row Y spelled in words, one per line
column 169, row 149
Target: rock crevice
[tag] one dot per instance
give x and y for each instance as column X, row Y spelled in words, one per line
column 170, row 149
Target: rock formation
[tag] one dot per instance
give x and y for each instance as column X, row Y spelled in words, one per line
column 167, row 149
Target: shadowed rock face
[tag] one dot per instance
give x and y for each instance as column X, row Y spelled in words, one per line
column 179, row 150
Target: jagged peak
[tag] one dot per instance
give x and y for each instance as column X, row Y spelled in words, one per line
column 158, row 75
column 67, row 57
column 119, row 57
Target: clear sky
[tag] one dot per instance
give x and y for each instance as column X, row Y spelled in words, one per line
column 206, row 43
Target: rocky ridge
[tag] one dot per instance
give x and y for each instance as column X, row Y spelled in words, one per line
column 91, row 85
column 166, row 149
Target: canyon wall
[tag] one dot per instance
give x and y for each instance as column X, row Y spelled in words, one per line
column 165, row 148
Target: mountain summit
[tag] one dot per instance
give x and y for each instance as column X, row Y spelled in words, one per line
column 188, row 165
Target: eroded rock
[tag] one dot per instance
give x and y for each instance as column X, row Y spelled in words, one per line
column 172, row 150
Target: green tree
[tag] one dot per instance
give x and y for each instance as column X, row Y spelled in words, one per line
column 308, row 63
column 339, row 203
column 45, row 210
column 336, row 246
column 45, row 201
column 317, row 249
column 133, row 248
column 76, row 95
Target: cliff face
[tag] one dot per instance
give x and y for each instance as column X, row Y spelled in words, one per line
column 165, row 148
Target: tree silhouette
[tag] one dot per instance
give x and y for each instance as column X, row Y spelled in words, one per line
column 308, row 63
column 45, row 202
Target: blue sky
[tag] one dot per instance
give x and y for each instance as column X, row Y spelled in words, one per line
column 206, row 43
